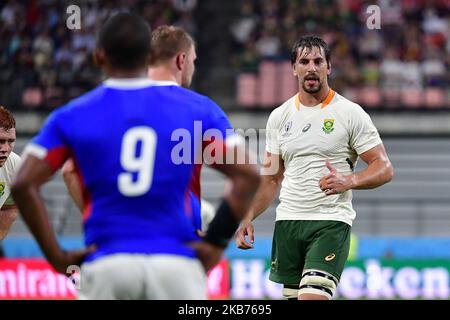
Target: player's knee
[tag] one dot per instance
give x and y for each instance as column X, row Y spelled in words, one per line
column 318, row 282
column 290, row 292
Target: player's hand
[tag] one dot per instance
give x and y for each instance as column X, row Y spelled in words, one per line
column 335, row 182
column 70, row 258
column 200, row 233
column 208, row 254
column 245, row 229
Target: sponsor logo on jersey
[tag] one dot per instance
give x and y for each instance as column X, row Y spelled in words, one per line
column 328, row 125
column 330, row 257
column 287, row 128
column 306, row 128
column 273, row 264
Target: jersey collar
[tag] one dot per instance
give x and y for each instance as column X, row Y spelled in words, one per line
column 135, row 83
column 325, row 102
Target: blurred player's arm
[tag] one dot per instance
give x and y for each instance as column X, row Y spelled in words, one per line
column 25, row 190
column 72, row 183
column 207, row 212
column 244, row 180
column 272, row 174
column 8, row 214
column 378, row 172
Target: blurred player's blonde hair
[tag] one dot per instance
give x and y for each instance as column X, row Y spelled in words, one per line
column 167, row 42
column 7, row 120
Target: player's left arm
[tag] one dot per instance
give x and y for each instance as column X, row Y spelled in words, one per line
column 8, row 214
column 378, row 172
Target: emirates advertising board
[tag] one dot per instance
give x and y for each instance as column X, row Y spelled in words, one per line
column 248, row 279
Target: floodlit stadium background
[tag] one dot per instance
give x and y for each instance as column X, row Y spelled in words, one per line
column 395, row 65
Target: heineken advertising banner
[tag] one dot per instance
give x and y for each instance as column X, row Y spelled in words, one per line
column 361, row 279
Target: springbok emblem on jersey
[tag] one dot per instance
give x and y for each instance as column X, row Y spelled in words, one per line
column 2, row 188
column 328, row 125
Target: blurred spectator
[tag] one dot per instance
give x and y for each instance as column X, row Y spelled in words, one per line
column 243, row 27
column 42, row 49
column 268, row 45
column 433, row 68
column 184, row 5
column 64, row 54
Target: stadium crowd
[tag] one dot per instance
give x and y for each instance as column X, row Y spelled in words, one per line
column 405, row 63
column 43, row 65
column 405, row 60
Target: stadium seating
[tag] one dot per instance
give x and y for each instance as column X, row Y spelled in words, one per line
column 412, row 98
column 435, row 97
column 370, row 97
column 267, row 96
column 32, row 98
column 247, row 86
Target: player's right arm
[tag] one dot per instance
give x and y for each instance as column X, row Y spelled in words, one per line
column 42, row 158
column 8, row 214
column 32, row 174
column 240, row 166
column 272, row 174
column 244, row 179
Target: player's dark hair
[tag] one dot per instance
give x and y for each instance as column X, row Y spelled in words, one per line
column 7, row 120
column 167, row 42
column 310, row 42
column 125, row 38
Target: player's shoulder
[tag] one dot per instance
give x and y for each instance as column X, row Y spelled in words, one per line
column 14, row 157
column 78, row 104
column 12, row 163
column 186, row 94
column 347, row 106
column 279, row 112
column 87, row 99
column 200, row 103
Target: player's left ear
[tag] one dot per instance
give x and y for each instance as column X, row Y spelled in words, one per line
column 180, row 60
column 98, row 56
column 329, row 68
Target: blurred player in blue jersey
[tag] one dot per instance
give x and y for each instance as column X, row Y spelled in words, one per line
column 173, row 57
column 122, row 136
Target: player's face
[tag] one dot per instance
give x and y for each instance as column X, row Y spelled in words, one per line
column 311, row 68
column 189, row 68
column 7, row 142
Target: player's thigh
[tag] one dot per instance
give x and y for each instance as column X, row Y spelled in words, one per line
column 287, row 253
column 175, row 277
column 113, row 277
column 329, row 248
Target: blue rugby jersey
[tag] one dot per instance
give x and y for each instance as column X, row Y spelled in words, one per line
column 123, row 136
